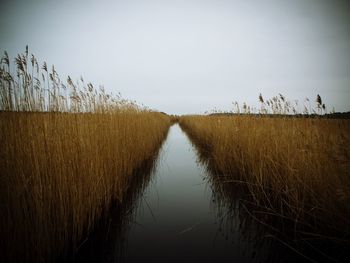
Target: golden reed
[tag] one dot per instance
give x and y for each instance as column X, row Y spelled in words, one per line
column 67, row 151
column 293, row 168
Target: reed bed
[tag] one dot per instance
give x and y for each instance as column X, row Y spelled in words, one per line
column 109, row 237
column 67, row 152
column 293, row 170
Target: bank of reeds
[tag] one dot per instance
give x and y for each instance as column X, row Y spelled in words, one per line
column 67, row 151
column 293, row 170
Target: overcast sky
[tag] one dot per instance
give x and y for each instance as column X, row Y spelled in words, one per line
column 188, row 56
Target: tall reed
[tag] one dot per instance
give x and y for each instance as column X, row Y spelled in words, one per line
column 295, row 169
column 67, row 151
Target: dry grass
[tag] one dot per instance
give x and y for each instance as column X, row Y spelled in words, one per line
column 293, row 168
column 66, row 153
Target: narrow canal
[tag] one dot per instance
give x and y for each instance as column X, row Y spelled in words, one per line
column 175, row 218
column 175, row 213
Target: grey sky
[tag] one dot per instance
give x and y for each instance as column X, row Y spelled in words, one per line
column 191, row 56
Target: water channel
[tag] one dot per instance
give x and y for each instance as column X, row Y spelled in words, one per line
column 175, row 218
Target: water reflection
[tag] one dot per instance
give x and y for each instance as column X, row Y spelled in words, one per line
column 179, row 211
column 178, row 218
column 108, row 240
column 271, row 238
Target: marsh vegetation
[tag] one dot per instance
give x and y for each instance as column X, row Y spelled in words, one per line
column 289, row 173
column 67, row 151
column 75, row 162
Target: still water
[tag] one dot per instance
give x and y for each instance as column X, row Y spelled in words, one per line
column 175, row 219
column 174, row 213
